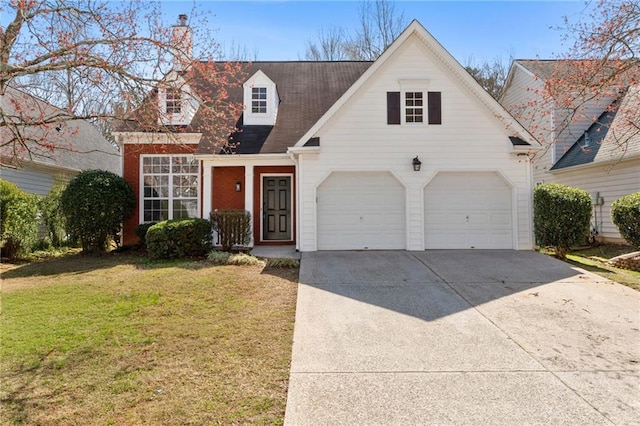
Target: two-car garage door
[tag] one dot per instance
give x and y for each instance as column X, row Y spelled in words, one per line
column 367, row 210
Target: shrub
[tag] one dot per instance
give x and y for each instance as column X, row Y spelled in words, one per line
column 179, row 238
column 243, row 259
column 233, row 227
column 218, row 257
column 141, row 232
column 561, row 216
column 10, row 246
column 95, row 203
column 625, row 214
column 18, row 218
column 52, row 215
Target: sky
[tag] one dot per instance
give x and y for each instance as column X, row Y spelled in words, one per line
column 473, row 32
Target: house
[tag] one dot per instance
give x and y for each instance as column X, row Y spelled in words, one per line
column 596, row 149
column 52, row 151
column 406, row 152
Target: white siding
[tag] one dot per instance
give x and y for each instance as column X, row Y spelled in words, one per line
column 611, row 181
column 33, row 180
column 357, row 138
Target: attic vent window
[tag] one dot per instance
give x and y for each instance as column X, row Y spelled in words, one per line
column 259, row 100
column 173, row 101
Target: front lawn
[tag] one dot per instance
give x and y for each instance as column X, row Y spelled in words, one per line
column 118, row 340
column 594, row 259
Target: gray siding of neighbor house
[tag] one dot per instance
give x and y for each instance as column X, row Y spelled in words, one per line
column 32, row 180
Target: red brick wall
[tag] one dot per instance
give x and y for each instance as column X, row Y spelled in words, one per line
column 224, row 194
column 257, row 187
column 131, row 173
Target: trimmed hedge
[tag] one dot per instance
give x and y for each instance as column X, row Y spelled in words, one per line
column 179, row 238
column 233, row 227
column 95, row 203
column 561, row 216
column 625, row 214
column 18, row 219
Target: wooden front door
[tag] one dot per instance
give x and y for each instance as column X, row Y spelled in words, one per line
column 276, row 208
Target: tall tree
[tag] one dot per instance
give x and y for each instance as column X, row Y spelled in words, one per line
column 491, row 75
column 88, row 56
column 602, row 65
column 380, row 22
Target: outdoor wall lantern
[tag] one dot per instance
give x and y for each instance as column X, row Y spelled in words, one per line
column 238, row 186
column 416, row 164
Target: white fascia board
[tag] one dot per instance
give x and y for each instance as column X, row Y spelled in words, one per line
column 303, row 149
column 156, row 138
column 248, row 159
column 578, row 167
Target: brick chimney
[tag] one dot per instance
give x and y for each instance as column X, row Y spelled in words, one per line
column 182, row 41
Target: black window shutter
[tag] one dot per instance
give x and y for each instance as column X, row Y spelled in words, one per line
column 435, row 107
column 393, row 107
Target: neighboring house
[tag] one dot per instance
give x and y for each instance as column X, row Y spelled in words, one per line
column 326, row 152
column 47, row 152
column 597, row 150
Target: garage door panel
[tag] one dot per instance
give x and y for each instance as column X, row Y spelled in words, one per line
column 361, row 210
column 468, row 210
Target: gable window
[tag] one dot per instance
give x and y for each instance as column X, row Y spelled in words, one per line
column 173, row 101
column 170, row 187
column 414, row 111
column 259, row 100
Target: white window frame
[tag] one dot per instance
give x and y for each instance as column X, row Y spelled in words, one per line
column 405, row 107
column 262, row 100
column 170, row 175
column 173, row 97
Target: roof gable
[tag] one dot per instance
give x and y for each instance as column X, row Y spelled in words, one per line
column 64, row 142
column 612, row 137
column 463, row 78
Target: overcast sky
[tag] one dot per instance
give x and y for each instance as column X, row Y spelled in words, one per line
column 482, row 30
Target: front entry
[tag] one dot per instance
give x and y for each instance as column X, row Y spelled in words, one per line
column 276, row 208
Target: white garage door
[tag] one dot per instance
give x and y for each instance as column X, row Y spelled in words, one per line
column 468, row 210
column 361, row 210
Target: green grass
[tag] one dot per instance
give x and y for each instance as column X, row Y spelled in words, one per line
column 594, row 259
column 119, row 340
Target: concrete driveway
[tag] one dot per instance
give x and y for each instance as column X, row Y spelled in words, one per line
column 461, row 337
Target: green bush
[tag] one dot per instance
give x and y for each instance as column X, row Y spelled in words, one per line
column 18, row 218
column 233, row 227
column 52, row 215
column 179, row 238
column 561, row 216
column 625, row 214
column 218, row 257
column 141, row 232
column 95, row 203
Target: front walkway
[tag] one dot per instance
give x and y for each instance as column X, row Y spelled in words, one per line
column 276, row 251
column 461, row 337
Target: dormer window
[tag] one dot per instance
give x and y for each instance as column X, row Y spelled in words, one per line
column 259, row 100
column 177, row 104
column 173, row 101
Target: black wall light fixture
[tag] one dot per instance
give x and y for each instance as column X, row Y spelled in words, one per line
column 416, row 164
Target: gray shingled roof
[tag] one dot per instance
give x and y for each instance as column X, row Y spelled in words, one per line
column 306, row 91
column 76, row 144
column 611, row 137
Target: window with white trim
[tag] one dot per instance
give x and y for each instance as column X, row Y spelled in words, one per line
column 414, row 112
column 259, row 100
column 170, row 187
column 173, row 102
